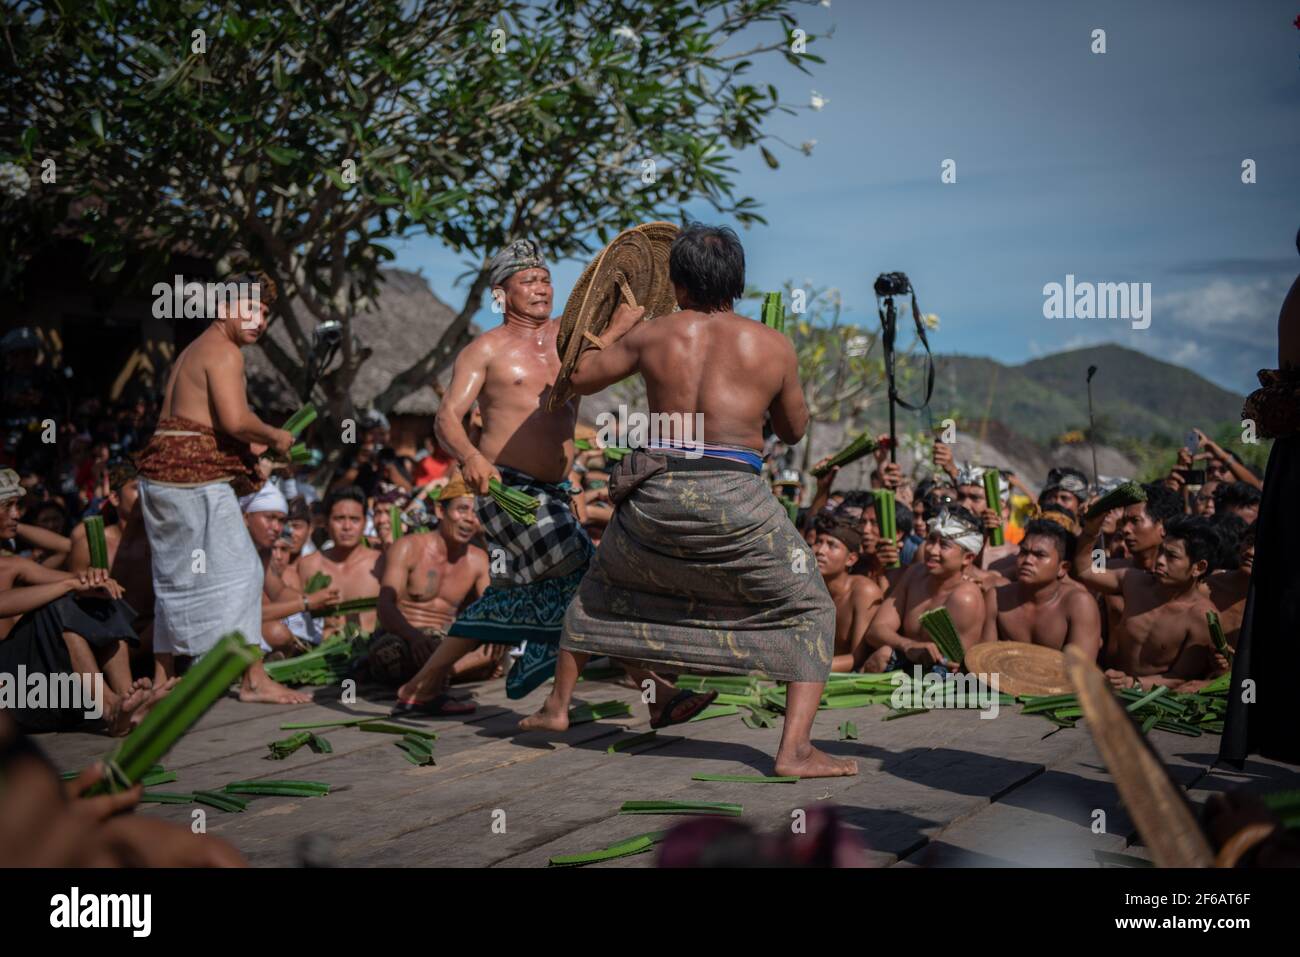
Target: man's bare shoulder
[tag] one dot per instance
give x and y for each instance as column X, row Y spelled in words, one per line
column 967, row 594
column 862, row 587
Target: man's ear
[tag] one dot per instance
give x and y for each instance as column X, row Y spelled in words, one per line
column 1200, row 568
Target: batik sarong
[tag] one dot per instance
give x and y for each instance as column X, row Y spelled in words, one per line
column 703, row 570
column 535, row 570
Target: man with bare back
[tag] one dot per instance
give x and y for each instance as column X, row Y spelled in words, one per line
column 1163, row 637
column 207, row 578
column 941, row 579
column 425, row 579
column 1044, row 606
column 509, row 371
column 700, row 565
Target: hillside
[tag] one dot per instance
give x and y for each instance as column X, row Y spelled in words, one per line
column 1135, row 396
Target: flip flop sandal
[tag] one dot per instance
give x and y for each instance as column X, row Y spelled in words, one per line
column 665, row 718
column 435, row 707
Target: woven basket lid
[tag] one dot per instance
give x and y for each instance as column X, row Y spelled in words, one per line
column 635, row 265
column 1022, row 668
column 1156, row 805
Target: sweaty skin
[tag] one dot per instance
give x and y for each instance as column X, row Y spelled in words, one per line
column 732, row 370
column 509, row 371
column 1227, row 591
column 426, row 579
column 726, row 366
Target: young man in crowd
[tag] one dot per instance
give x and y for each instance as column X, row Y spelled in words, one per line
column 426, row 579
column 1228, row 587
column 1065, row 486
column 1043, row 605
column 941, row 579
column 352, row 567
column 1162, row 637
column 1238, row 498
column 129, row 561
column 856, row 597
column 264, row 515
column 970, row 496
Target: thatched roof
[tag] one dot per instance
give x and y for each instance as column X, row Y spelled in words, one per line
column 406, row 321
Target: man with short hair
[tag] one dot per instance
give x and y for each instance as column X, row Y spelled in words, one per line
column 700, row 565
column 942, row 579
column 856, row 597
column 352, row 567
column 206, row 574
column 1228, row 587
column 1043, row 605
column 426, row 579
column 1238, row 498
column 1162, row 637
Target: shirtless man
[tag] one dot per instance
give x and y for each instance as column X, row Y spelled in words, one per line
column 1163, row 637
column 76, row 638
column 264, row 515
column 734, row 372
column 941, row 579
column 352, row 568
column 426, row 578
column 509, row 372
column 128, row 560
column 856, row 598
column 1228, row 588
column 1044, row 606
column 206, row 574
column 1142, row 529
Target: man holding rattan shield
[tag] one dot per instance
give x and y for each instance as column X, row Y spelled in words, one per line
column 700, row 565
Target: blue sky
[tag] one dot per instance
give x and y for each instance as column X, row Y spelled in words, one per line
column 1123, row 166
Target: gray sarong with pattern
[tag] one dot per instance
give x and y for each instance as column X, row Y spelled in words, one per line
column 705, row 570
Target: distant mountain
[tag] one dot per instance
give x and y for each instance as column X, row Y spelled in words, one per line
column 1134, row 396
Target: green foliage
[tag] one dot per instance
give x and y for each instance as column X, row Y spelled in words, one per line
column 303, row 138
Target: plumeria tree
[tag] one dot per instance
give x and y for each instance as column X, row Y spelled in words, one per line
column 303, row 138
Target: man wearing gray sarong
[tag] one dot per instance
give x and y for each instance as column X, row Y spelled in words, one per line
column 701, row 567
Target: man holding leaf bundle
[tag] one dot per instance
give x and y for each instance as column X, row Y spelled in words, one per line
column 535, row 561
column 207, row 578
column 700, row 565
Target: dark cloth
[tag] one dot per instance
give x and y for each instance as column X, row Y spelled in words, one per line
column 36, row 644
column 704, row 569
column 1271, row 622
column 393, row 661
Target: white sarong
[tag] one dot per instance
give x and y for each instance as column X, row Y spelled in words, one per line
column 207, row 578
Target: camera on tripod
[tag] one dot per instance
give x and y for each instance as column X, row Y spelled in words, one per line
column 892, row 284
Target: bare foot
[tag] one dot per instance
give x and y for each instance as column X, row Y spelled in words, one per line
column 131, row 708
column 550, row 717
column 258, row 687
column 811, row 763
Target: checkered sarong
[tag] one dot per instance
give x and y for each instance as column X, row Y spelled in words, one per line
column 554, row 547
